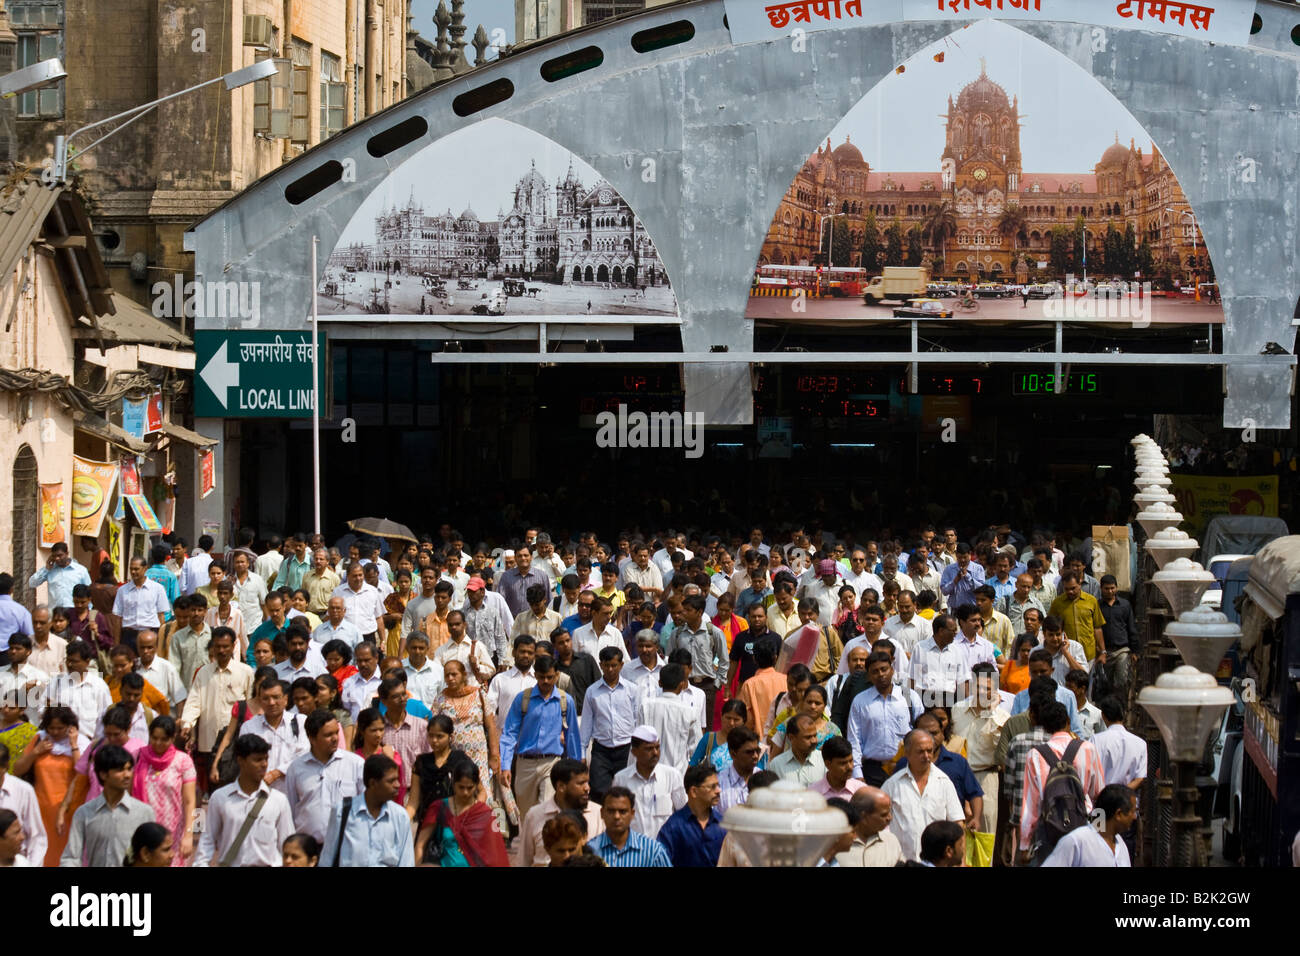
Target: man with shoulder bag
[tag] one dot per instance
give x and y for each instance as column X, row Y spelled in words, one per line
column 247, row 821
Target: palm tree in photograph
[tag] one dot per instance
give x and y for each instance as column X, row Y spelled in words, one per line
column 941, row 226
column 1014, row 222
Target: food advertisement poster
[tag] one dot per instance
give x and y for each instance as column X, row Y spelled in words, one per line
column 92, row 487
column 52, row 514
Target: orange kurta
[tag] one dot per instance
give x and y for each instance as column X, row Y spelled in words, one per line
column 54, row 775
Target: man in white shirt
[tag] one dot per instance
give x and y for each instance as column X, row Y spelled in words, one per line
column 644, row 671
column 250, row 591
column 19, row 798
column 19, row 677
column 424, row 679
column 907, row 628
column 861, row 577
column 320, row 778
column 507, row 685
column 925, row 577
column 304, row 660
column 547, row 560
column 1088, row 846
column 673, row 716
column 336, row 625
column 141, row 603
column 269, row 563
column 1123, row 754
column 920, row 795
column 365, row 608
column 284, row 733
column 158, row 670
column 872, row 621
column 458, row 578
column 359, row 689
column 658, row 788
column 1067, row 655
column 611, row 711
column 600, row 633
column 85, row 693
column 476, row 656
column 233, row 804
column 663, row 558
column 938, row 669
column 218, row 686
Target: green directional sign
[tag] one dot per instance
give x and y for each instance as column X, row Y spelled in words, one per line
column 256, row 374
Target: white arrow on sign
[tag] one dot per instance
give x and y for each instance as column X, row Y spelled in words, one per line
column 219, row 374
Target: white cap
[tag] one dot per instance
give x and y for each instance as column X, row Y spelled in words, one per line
column 646, row 733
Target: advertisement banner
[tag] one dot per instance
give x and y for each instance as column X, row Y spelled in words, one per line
column 1202, row 497
column 133, row 415
column 207, row 473
column 130, row 476
column 52, row 514
column 144, row 513
column 92, row 487
column 153, row 415
column 1220, row 21
column 115, row 544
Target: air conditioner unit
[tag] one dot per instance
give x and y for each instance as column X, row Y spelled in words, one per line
column 257, row 30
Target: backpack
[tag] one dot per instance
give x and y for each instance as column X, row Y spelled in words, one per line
column 1064, row 806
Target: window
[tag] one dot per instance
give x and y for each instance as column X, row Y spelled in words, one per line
column 38, row 25
column 300, row 101
column 332, row 91
column 271, row 100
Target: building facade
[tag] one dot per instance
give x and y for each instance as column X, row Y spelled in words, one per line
column 339, row 61
column 539, row 19
column 980, row 177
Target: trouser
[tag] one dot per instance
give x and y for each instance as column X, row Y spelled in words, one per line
column 129, row 635
column 1119, row 668
column 203, row 769
column 988, row 781
column 533, row 780
column 1004, row 844
column 710, row 688
column 605, row 762
column 873, row 773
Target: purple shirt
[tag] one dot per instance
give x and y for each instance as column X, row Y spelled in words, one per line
column 959, row 592
column 513, row 586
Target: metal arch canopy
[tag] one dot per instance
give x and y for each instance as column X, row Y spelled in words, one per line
column 703, row 137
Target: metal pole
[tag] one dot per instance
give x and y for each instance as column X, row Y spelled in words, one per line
column 315, row 389
column 1188, row 849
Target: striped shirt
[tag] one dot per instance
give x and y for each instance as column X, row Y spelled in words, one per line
column 639, row 850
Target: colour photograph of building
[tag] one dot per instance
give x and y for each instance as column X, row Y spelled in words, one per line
column 981, row 211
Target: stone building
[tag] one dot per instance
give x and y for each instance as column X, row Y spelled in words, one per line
column 340, row 61
column 980, row 176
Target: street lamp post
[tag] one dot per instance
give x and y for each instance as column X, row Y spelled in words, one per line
column 1186, row 705
column 1085, row 257
column 260, row 70
column 830, row 238
column 1196, row 275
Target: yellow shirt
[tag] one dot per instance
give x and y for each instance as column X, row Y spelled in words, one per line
column 614, row 595
column 1080, row 618
column 927, row 613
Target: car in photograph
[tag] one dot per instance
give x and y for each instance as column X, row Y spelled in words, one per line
column 923, row 309
column 1044, row 290
column 942, row 290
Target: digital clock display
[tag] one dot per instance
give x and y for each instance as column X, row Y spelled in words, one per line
column 1044, row 383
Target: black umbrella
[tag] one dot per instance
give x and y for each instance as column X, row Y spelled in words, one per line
column 382, row 528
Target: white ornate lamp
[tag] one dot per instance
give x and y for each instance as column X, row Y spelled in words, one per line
column 1203, row 635
column 1183, row 582
column 785, row 825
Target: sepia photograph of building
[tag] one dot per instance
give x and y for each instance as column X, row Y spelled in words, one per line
column 559, row 238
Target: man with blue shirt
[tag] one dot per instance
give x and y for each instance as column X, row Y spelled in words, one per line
column 376, row 831
column 620, row 845
column 60, row 575
column 336, row 626
column 540, row 735
column 166, row 578
column 1040, row 665
column 960, row 579
column 14, row 618
column 879, row 719
column 694, row 834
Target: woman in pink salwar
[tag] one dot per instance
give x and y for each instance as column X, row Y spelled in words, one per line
column 165, row 779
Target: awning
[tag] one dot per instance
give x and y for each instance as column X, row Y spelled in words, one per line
column 107, row 431
column 181, row 433
column 133, row 324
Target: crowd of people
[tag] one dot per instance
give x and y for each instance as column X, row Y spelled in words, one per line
column 402, row 703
